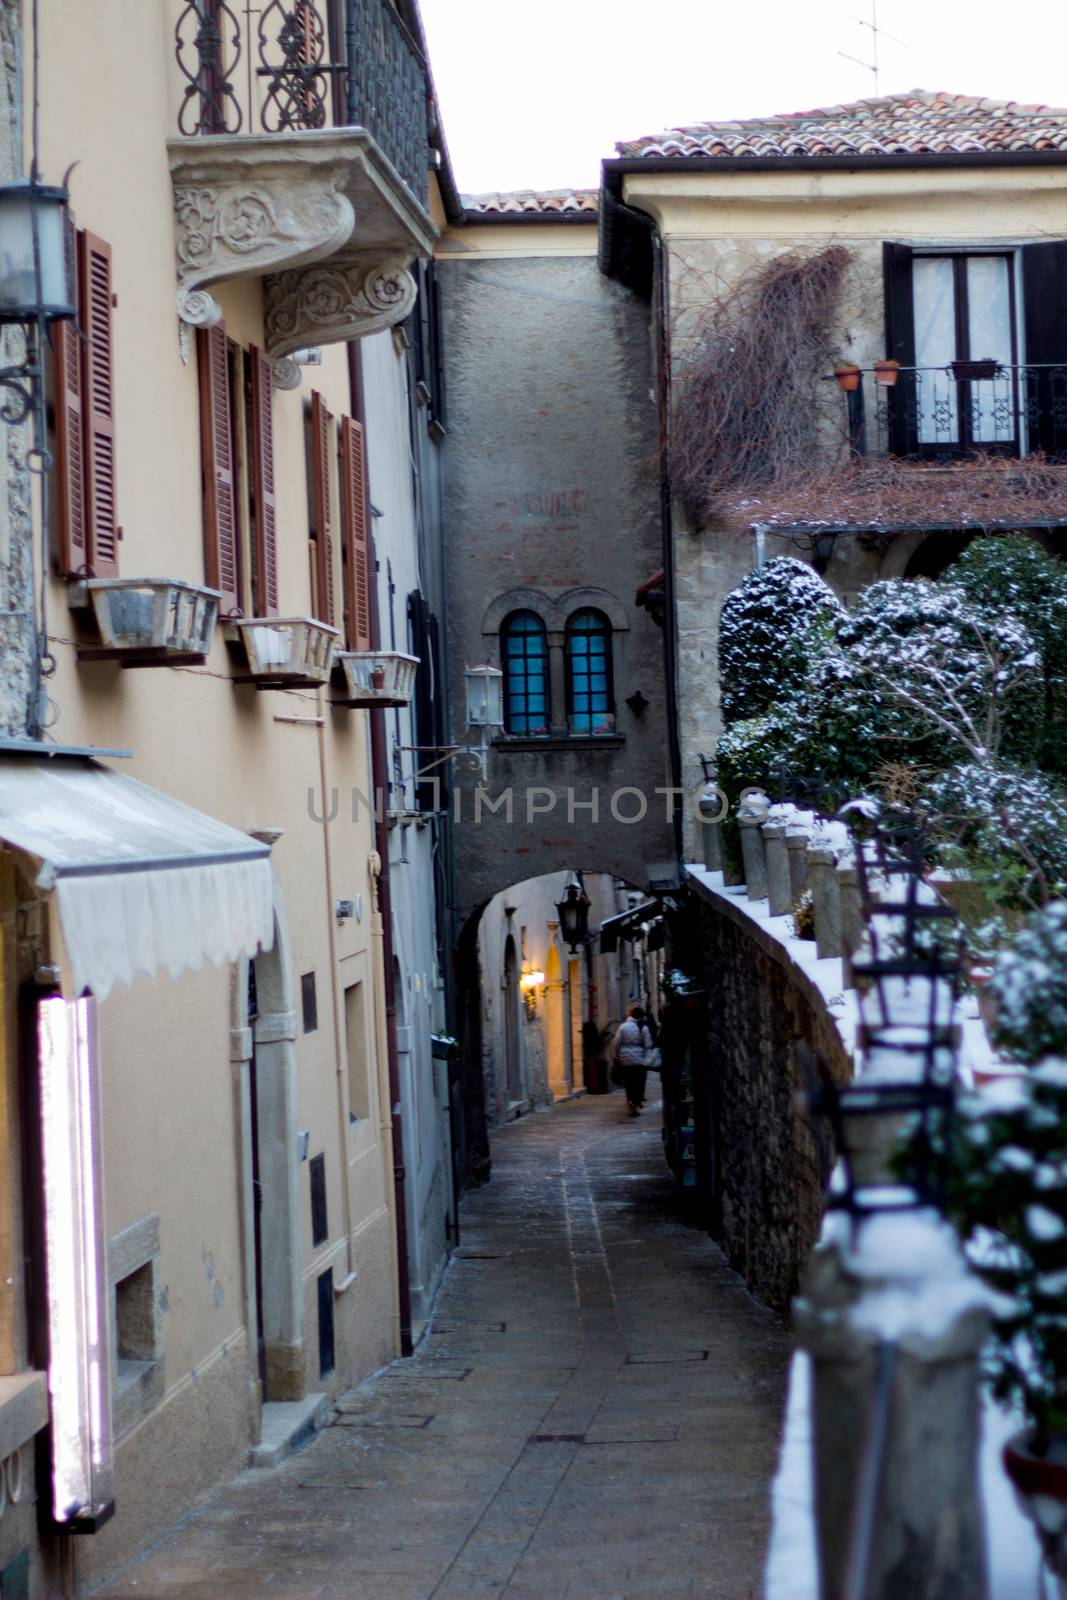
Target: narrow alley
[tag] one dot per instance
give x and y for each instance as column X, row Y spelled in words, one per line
column 593, row 1412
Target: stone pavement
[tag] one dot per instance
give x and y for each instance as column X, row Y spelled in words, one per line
column 593, row 1414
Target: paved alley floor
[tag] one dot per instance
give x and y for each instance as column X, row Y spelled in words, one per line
column 593, row 1413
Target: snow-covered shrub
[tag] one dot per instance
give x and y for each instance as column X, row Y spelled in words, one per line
column 1030, row 985
column 1010, row 575
column 921, row 669
column 1008, row 1190
column 770, row 628
column 1006, row 830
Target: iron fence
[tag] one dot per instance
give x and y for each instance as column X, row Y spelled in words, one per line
column 305, row 64
column 948, row 413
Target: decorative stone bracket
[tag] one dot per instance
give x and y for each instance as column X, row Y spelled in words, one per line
column 321, row 216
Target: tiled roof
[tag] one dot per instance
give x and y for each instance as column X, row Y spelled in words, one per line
column 533, row 202
column 913, row 124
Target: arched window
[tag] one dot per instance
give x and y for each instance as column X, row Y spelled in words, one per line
column 524, row 649
column 590, row 703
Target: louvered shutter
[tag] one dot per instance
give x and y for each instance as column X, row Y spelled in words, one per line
column 72, row 552
column 265, row 531
column 217, row 469
column 98, row 404
column 320, row 475
column 902, row 398
column 356, row 549
column 1045, row 321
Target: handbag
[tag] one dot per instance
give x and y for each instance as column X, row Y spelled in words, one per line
column 653, row 1059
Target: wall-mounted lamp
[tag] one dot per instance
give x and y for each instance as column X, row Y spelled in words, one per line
column 485, row 697
column 529, row 983
column 574, row 916
column 79, row 1354
column 36, row 278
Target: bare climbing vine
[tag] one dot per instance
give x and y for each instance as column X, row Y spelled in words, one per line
column 748, row 403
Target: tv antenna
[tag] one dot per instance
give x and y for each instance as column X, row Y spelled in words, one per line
column 876, row 34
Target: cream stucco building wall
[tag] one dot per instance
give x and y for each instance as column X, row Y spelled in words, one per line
column 178, row 1055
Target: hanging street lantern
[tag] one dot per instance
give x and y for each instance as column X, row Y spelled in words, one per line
column 574, row 916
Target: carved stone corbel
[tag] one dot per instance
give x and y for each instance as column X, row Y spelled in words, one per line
column 348, row 297
column 244, row 209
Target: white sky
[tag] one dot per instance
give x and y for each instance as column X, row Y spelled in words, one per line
column 534, row 92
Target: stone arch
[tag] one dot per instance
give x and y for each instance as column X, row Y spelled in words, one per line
column 264, row 1056
column 587, row 599
column 554, row 610
column 516, row 600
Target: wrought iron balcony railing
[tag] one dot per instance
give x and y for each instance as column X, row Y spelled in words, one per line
column 298, row 64
column 950, row 413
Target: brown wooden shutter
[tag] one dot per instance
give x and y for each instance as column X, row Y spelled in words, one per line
column 901, row 400
column 265, row 530
column 1045, row 322
column 98, row 409
column 320, row 469
column 217, row 469
column 72, row 554
column 355, row 549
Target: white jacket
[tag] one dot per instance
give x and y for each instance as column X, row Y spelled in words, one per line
column 631, row 1043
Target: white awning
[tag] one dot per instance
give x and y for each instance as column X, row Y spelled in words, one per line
column 141, row 880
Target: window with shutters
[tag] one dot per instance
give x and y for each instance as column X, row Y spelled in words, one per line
column 982, row 336
column 84, row 394
column 220, row 447
column 320, row 500
column 355, row 543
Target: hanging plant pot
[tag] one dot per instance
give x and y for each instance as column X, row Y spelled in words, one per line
column 886, row 373
column 1041, row 1491
column 975, row 371
column 848, row 377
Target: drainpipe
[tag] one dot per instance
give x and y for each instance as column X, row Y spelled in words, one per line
column 337, row 1004
column 380, row 776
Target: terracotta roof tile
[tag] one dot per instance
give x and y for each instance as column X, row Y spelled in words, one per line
column 533, row 202
column 916, row 123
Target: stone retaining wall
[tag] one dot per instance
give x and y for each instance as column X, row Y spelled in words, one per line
column 776, row 1015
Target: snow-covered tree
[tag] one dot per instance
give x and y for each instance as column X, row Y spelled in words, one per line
column 772, row 626
column 923, row 668
column 1011, row 576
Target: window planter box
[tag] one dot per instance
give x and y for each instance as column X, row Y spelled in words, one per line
column 285, row 652
column 149, row 622
column 376, row 678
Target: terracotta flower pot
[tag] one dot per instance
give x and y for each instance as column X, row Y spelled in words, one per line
column 886, row 373
column 1041, row 1491
column 848, row 378
column 377, row 678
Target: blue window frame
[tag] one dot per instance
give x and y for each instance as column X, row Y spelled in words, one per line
column 590, row 702
column 524, row 648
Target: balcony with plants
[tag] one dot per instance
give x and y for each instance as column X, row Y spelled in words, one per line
column 300, row 154
column 771, row 431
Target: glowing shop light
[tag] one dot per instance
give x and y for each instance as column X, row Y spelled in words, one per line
column 79, row 1363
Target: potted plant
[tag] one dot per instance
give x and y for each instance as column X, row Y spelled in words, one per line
column 1010, row 1182
column 886, row 372
column 848, row 375
column 977, row 371
column 377, row 675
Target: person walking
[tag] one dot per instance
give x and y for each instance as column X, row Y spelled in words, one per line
column 632, row 1044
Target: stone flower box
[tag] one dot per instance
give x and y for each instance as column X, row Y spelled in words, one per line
column 147, row 622
column 285, row 652
column 376, row 678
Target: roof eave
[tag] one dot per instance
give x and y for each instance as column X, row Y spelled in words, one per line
column 627, row 165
